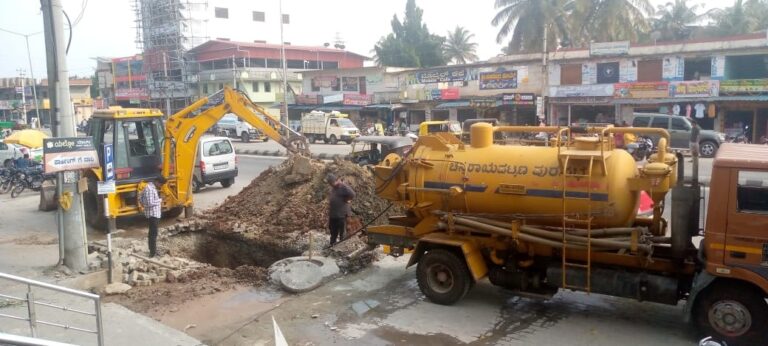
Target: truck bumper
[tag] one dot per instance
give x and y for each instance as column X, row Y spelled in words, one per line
column 210, row 178
column 348, row 138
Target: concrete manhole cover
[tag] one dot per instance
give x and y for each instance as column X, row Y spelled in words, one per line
column 301, row 276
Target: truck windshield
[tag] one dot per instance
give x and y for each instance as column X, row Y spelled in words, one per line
column 346, row 123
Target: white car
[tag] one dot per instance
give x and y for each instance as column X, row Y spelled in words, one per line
column 8, row 153
column 216, row 163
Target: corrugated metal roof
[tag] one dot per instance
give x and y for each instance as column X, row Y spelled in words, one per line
column 750, row 156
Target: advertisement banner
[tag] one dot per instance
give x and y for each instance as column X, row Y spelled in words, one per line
column 349, row 84
column 641, row 90
column 518, row 99
column 308, row 99
column 333, row 98
column 609, row 48
column 673, row 68
column 328, row 82
column 744, row 86
column 449, row 94
column 694, row 89
column 482, row 103
column 357, row 99
column 132, row 94
column 69, row 154
column 441, row 76
column 498, row 80
column 581, row 90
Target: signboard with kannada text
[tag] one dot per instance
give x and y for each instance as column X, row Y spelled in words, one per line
column 641, row 90
column 357, row 99
column 702, row 88
column 744, row 86
column 518, row 99
column 609, row 48
column 498, row 80
column 441, row 76
column 69, row 154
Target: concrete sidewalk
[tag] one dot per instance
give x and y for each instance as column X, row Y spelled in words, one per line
column 28, row 248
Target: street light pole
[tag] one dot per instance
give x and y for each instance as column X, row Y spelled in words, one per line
column 34, row 82
column 23, row 97
column 71, row 215
column 285, row 71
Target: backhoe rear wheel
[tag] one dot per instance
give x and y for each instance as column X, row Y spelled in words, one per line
column 94, row 208
column 733, row 312
column 443, row 277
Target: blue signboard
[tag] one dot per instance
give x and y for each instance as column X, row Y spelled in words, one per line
column 109, row 163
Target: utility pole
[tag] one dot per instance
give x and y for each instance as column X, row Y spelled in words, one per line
column 284, row 119
column 34, row 83
column 23, row 97
column 72, row 219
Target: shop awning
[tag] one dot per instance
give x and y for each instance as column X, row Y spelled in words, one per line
column 325, row 108
column 744, row 98
column 454, row 104
column 389, row 106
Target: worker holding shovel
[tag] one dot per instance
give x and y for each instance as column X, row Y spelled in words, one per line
column 339, row 199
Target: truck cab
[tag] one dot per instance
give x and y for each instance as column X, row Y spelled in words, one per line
column 328, row 127
column 233, row 127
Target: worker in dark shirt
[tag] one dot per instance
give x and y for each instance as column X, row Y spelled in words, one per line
column 338, row 207
column 694, row 142
column 23, row 163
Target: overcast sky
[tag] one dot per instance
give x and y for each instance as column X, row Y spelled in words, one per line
column 107, row 28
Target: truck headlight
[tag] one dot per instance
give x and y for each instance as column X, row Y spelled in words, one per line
column 721, row 136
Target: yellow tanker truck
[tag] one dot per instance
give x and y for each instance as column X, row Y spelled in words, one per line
column 538, row 219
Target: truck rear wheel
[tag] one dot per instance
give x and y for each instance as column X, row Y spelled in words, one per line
column 245, row 137
column 443, row 277
column 733, row 312
column 334, row 140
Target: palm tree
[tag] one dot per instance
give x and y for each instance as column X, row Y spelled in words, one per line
column 674, row 20
column 527, row 20
column 458, row 48
column 733, row 20
column 610, row 20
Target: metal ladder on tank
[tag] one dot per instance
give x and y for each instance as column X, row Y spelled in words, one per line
column 571, row 218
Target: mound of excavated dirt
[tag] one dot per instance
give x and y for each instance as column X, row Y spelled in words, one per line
column 280, row 209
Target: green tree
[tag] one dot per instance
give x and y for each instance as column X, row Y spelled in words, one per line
column 674, row 20
column 733, row 20
column 609, row 20
column 526, row 20
column 458, row 48
column 757, row 10
column 94, row 86
column 410, row 44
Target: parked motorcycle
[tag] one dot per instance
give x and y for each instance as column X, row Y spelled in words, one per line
column 31, row 178
column 641, row 149
column 7, row 176
column 742, row 137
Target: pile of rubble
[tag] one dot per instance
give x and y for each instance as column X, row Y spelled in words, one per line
column 282, row 208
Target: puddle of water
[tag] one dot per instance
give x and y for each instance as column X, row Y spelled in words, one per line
column 213, row 317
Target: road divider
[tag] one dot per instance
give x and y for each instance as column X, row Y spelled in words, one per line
column 278, row 153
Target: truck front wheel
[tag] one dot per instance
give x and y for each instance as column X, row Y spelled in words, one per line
column 443, row 277
column 735, row 313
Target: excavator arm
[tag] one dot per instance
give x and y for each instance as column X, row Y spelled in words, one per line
column 184, row 129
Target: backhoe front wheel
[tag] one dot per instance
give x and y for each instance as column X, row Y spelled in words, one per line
column 94, row 210
column 443, row 277
column 732, row 312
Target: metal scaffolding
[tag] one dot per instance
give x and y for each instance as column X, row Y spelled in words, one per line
column 165, row 31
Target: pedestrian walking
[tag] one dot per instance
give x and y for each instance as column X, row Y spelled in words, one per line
column 152, row 204
column 339, row 208
column 694, row 143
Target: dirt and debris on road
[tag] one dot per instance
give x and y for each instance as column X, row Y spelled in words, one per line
column 233, row 244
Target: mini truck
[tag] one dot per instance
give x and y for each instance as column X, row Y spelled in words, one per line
column 537, row 219
column 145, row 147
column 328, row 127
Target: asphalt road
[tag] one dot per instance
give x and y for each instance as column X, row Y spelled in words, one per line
column 382, row 304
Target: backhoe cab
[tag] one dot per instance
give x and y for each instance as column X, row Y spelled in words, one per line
column 147, row 146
